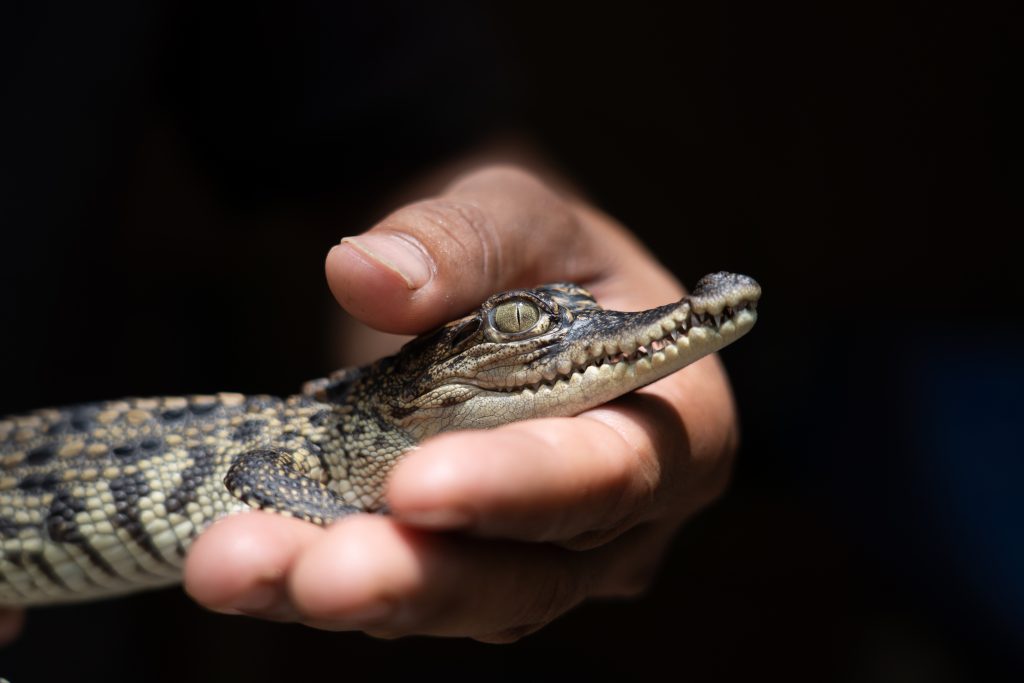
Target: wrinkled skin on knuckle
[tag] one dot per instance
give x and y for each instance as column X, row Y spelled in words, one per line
column 448, row 230
column 560, row 232
column 649, row 479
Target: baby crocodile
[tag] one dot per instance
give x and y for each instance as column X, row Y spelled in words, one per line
column 106, row 498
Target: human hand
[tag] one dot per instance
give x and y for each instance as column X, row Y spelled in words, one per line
column 551, row 511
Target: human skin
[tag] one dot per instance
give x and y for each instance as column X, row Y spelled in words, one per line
column 550, row 511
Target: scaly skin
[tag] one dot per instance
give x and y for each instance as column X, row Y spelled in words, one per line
column 106, row 498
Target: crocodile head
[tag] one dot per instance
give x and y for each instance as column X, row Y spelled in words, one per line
column 552, row 351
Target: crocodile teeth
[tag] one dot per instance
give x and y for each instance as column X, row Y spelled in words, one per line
column 638, row 355
column 659, row 344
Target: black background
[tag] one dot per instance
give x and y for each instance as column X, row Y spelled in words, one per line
column 174, row 174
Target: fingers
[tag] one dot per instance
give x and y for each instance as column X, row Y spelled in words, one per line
column 373, row 574
column 431, row 261
column 239, row 564
column 542, row 480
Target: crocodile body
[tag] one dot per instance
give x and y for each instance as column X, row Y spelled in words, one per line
column 106, row 498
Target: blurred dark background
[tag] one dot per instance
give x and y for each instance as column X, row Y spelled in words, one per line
column 174, row 173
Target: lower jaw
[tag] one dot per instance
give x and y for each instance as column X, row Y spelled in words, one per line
column 584, row 390
column 581, row 391
column 620, row 377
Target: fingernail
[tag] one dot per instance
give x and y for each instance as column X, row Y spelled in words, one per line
column 443, row 518
column 398, row 253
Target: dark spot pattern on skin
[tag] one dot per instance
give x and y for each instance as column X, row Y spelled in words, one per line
column 9, row 528
column 192, row 477
column 126, row 451
column 315, row 449
column 400, row 412
column 353, row 428
column 44, row 566
column 319, row 418
column 451, row 400
column 172, row 415
column 60, row 521
column 40, row 455
column 339, row 389
column 39, row 482
column 150, row 444
column 202, row 408
column 17, row 559
column 261, row 403
column 248, row 430
column 127, row 490
column 269, row 480
column 96, row 558
column 57, row 428
column 83, row 418
column 62, row 528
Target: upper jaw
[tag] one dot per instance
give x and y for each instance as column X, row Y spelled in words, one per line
column 654, row 343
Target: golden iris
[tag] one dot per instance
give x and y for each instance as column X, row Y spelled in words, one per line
column 515, row 316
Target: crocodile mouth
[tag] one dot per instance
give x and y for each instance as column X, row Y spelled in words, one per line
column 602, row 355
column 678, row 339
column 713, row 322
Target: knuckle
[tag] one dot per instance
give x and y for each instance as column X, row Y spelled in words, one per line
column 460, row 229
column 640, row 479
column 647, row 477
column 434, row 219
column 560, row 221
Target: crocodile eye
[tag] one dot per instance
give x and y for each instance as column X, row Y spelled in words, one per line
column 515, row 316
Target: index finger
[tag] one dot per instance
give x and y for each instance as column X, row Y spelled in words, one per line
column 495, row 229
